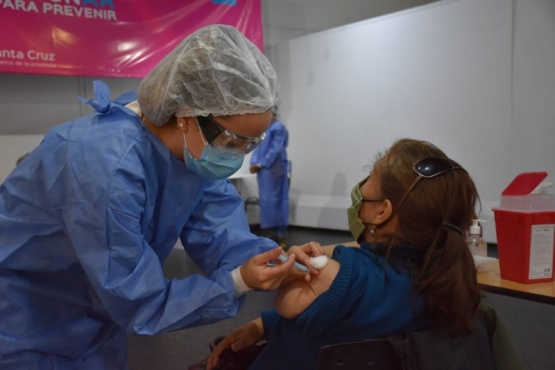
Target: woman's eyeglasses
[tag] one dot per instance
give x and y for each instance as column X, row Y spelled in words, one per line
column 224, row 141
column 428, row 168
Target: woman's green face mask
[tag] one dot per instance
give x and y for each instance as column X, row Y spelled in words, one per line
column 356, row 225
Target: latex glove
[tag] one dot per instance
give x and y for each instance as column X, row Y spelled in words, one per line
column 241, row 338
column 302, row 255
column 264, row 271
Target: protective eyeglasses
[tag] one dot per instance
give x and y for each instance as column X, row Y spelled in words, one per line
column 224, row 141
column 357, row 197
column 428, row 168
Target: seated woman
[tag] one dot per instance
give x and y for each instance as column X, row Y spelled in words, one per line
column 413, row 269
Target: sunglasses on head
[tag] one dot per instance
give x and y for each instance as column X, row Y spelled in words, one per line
column 428, row 168
column 434, row 166
column 224, row 141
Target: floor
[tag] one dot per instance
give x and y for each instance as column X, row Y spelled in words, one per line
column 179, row 349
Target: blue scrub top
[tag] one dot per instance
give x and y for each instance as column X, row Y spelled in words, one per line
column 86, row 221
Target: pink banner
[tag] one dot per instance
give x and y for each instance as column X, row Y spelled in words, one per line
column 116, row 38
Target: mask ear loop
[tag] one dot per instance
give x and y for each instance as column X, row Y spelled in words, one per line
column 180, row 125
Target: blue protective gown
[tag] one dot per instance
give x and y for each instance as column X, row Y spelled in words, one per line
column 273, row 177
column 86, row 221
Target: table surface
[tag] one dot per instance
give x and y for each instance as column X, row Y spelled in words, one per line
column 491, row 281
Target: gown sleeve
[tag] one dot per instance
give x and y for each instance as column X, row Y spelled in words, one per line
column 125, row 272
column 217, row 235
column 276, row 142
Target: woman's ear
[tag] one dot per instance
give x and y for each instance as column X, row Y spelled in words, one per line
column 180, row 123
column 186, row 123
column 385, row 210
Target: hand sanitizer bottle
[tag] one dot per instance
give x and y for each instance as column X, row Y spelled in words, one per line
column 477, row 245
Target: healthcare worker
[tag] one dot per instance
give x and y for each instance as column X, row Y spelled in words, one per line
column 87, row 219
column 269, row 162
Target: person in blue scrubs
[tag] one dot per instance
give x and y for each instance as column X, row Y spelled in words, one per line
column 89, row 216
column 269, row 162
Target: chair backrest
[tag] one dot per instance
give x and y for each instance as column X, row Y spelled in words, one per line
column 376, row 354
column 490, row 347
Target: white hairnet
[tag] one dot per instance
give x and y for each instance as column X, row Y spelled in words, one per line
column 215, row 70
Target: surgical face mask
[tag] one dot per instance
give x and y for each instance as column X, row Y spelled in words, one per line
column 212, row 164
column 356, row 225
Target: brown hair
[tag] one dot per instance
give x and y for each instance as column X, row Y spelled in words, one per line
column 429, row 218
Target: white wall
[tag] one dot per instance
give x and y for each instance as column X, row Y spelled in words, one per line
column 287, row 19
column 474, row 77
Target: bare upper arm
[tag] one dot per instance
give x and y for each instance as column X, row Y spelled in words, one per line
column 294, row 297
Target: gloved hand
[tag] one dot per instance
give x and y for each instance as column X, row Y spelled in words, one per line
column 264, row 271
column 302, row 255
